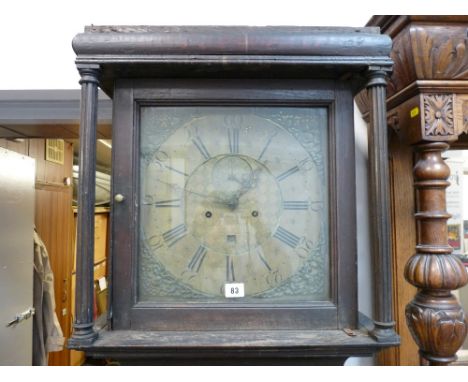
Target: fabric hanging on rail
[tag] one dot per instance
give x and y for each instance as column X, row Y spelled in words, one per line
column 47, row 333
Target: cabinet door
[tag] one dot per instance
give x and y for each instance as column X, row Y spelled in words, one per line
column 16, row 256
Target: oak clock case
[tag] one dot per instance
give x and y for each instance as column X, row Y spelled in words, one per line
column 229, row 216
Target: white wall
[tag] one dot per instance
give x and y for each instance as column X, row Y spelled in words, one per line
column 365, row 298
column 35, row 36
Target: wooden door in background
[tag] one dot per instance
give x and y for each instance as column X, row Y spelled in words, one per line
column 404, row 243
column 54, row 223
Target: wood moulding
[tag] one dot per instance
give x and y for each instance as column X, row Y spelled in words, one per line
column 425, row 48
column 427, row 51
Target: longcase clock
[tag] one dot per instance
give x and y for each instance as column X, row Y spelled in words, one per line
column 233, row 220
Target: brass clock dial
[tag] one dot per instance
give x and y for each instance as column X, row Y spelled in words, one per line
column 231, row 196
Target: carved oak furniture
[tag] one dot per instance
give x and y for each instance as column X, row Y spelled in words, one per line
column 427, row 105
column 233, row 221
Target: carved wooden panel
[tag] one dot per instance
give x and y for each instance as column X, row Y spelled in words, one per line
column 438, row 332
column 402, row 57
column 423, row 52
column 438, row 115
column 440, row 52
column 429, row 52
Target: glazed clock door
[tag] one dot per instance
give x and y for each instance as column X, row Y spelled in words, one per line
column 233, row 195
column 230, row 217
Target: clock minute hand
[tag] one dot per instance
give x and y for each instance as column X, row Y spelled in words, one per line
column 226, row 202
column 216, row 199
column 178, row 188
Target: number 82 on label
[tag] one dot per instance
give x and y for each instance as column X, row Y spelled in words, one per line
column 234, row 290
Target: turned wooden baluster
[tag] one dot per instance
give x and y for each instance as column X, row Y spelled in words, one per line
column 436, row 320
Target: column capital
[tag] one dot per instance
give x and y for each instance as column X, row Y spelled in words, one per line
column 377, row 76
column 89, row 73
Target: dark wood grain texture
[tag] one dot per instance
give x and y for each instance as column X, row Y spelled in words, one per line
column 279, row 347
column 84, row 307
column 229, row 52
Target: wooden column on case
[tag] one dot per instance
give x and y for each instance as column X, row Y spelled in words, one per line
column 435, row 318
column 83, row 332
column 384, row 326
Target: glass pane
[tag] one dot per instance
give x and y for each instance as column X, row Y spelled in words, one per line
column 233, row 204
column 457, row 225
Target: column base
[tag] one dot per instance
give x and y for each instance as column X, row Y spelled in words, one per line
column 382, row 331
column 83, row 335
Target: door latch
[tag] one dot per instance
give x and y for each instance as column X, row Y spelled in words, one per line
column 22, row 316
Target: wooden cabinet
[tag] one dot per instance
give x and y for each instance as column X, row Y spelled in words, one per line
column 427, row 113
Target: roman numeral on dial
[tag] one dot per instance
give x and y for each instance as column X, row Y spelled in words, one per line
column 261, row 256
column 233, row 138
column 155, row 242
column 266, row 146
column 175, row 234
column 230, row 276
column 167, row 203
column 175, row 170
column 287, row 173
column 201, row 147
column 287, row 237
column 197, row 259
column 295, row 204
